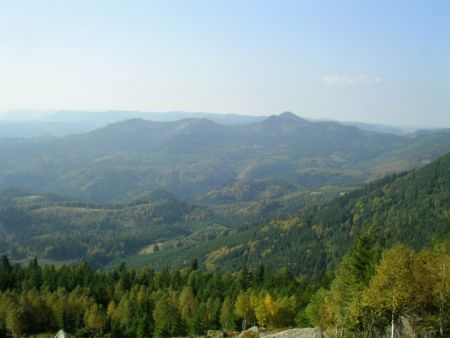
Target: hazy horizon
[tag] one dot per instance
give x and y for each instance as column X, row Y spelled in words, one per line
column 383, row 63
column 36, row 115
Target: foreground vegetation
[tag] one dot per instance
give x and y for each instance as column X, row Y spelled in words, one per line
column 374, row 290
column 370, row 290
column 130, row 303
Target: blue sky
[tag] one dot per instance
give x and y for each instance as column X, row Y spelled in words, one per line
column 373, row 61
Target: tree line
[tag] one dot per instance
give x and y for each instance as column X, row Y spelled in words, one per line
column 370, row 294
column 145, row 303
column 373, row 292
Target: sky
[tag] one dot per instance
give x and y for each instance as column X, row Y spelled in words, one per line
column 369, row 61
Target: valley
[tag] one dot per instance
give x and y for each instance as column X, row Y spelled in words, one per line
column 197, row 189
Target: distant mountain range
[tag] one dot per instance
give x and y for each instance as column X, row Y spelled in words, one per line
column 191, row 157
column 44, row 124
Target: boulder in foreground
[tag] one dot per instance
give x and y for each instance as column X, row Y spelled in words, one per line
column 297, row 333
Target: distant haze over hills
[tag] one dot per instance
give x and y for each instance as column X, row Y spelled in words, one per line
column 41, row 124
column 191, row 156
column 119, row 115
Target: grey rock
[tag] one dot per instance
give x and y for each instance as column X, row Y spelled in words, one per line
column 252, row 332
column 298, row 333
column 62, row 334
column 215, row 334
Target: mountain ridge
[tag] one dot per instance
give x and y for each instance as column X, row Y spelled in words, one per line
column 193, row 156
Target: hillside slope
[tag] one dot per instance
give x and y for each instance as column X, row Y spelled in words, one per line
column 412, row 208
column 62, row 229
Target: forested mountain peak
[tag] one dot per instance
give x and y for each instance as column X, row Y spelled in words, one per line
column 201, row 126
column 138, row 127
column 285, row 117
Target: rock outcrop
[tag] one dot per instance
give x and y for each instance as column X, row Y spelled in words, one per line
column 297, row 333
column 252, row 332
column 62, row 334
column 215, row 334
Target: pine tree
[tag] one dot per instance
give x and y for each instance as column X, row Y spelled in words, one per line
column 244, row 309
column 227, row 318
column 5, row 273
column 168, row 322
column 95, row 318
column 17, row 320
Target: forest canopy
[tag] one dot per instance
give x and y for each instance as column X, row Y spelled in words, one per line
column 371, row 290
